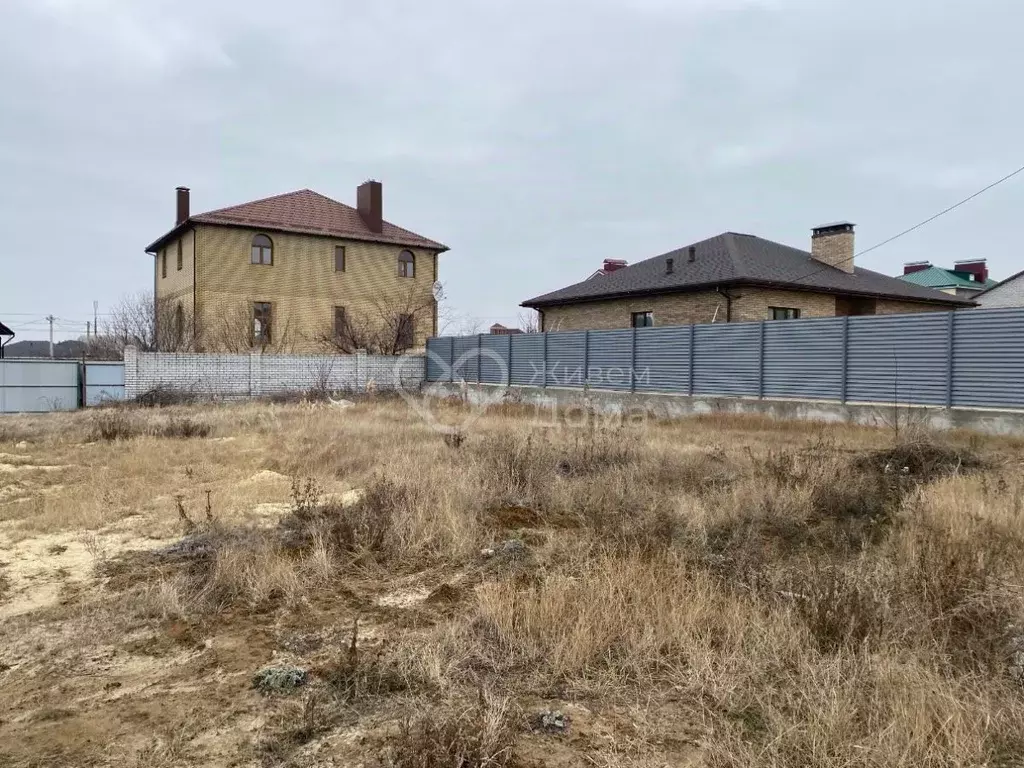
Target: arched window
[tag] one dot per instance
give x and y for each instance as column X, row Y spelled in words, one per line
column 406, row 264
column 262, row 250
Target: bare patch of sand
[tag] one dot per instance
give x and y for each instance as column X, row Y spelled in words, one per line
column 41, row 566
column 403, row 598
column 27, row 467
column 268, row 476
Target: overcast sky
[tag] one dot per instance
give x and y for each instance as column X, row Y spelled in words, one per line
column 534, row 138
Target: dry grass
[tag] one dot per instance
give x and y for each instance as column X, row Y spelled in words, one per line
column 773, row 594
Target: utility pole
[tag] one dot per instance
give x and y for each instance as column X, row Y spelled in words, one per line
column 95, row 317
column 50, row 319
column 87, row 332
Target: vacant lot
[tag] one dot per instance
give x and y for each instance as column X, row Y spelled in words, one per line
column 308, row 585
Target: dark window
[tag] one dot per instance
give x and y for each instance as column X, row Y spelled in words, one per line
column 406, row 331
column 339, row 258
column 339, row 322
column 406, row 264
column 163, row 263
column 851, row 306
column 262, row 250
column 179, row 256
column 784, row 313
column 179, row 324
column 642, row 319
column 261, row 322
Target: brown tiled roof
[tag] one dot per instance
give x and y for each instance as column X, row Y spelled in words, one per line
column 306, row 212
column 737, row 259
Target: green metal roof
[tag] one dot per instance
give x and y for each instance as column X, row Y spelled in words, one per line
column 937, row 277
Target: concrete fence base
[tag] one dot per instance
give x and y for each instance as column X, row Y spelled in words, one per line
column 549, row 401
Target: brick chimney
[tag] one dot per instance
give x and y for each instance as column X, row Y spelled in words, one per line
column 911, row 267
column 181, row 209
column 832, row 244
column 610, row 265
column 370, row 204
column 977, row 267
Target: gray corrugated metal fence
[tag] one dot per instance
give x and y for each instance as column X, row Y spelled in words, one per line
column 32, row 385
column 971, row 358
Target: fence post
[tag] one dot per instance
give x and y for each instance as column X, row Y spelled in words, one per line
column 508, row 363
column 846, row 355
column 693, row 344
column 760, row 364
column 544, row 363
column 479, row 346
column 949, row 360
column 632, row 362
column 586, row 358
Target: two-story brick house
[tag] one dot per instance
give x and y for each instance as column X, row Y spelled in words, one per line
column 293, row 272
column 736, row 278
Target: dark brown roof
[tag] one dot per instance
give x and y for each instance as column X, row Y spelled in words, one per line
column 731, row 259
column 5, row 331
column 306, row 212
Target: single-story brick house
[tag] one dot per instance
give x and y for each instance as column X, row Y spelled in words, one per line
column 737, row 278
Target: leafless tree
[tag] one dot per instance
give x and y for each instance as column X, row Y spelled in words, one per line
column 529, row 321
column 138, row 320
column 232, row 329
column 387, row 325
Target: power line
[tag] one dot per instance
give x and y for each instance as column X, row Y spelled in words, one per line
column 907, row 231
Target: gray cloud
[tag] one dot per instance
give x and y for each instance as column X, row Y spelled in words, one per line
column 534, row 138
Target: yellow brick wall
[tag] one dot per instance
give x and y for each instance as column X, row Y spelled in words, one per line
column 178, row 283
column 303, row 287
column 893, row 307
column 749, row 304
column 676, row 309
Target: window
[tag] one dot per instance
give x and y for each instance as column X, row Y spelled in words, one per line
column 406, row 264
column 339, row 322
column 179, row 256
column 262, row 250
column 339, row 258
column 163, row 263
column 406, row 331
column 784, row 313
column 261, row 322
column 642, row 319
column 179, row 324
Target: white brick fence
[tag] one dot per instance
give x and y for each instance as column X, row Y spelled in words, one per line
column 257, row 375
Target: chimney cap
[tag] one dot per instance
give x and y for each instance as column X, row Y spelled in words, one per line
column 971, row 261
column 181, row 189
column 834, row 228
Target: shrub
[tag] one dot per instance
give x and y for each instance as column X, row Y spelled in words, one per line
column 183, row 428
column 479, row 736
column 161, row 396
column 366, row 526
column 115, row 424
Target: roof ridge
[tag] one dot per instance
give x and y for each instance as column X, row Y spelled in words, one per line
column 260, row 200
